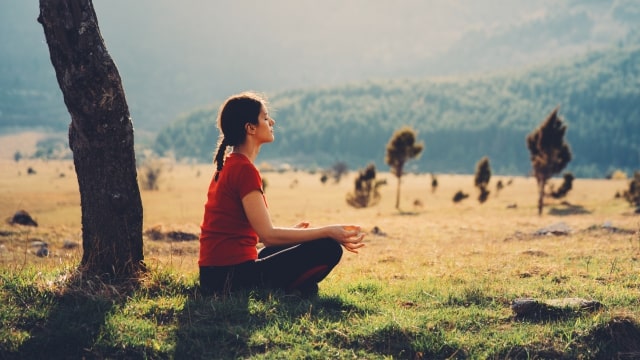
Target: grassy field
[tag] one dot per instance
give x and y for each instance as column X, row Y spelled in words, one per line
column 436, row 281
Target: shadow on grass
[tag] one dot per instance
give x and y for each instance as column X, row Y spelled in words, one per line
column 79, row 318
column 403, row 343
column 407, row 213
column 264, row 324
column 223, row 327
column 64, row 323
column 568, row 209
column 619, row 338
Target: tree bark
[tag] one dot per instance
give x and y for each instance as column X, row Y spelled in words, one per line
column 398, row 193
column 541, row 185
column 100, row 137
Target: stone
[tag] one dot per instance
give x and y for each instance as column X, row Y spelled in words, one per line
column 560, row 228
column 529, row 308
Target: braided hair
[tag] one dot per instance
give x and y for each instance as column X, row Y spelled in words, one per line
column 234, row 114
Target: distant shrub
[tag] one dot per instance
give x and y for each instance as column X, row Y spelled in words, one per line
column 632, row 195
column 365, row 191
column 459, row 196
column 482, row 177
column 617, row 175
column 17, row 156
column 150, row 171
column 339, row 169
column 563, row 190
column 434, row 183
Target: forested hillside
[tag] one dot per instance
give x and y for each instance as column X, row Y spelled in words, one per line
column 175, row 56
column 460, row 120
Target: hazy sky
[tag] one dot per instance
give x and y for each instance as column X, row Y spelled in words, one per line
column 332, row 25
column 177, row 55
column 310, row 33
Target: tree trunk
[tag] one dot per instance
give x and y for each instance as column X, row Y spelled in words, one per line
column 541, row 184
column 398, row 194
column 101, row 138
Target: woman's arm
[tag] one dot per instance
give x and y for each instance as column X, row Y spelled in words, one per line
column 349, row 236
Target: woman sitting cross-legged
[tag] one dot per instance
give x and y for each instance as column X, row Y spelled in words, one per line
column 236, row 217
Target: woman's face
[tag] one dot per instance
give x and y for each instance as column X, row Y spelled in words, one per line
column 264, row 130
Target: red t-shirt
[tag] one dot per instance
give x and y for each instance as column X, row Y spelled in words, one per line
column 226, row 237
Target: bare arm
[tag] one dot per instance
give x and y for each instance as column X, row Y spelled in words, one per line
column 348, row 236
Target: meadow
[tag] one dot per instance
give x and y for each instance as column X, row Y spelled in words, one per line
column 435, row 280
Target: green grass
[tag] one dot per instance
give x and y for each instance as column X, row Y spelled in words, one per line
column 60, row 315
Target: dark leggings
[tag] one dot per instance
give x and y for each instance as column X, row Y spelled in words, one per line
column 281, row 267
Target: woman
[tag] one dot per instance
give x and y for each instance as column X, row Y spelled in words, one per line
column 236, row 217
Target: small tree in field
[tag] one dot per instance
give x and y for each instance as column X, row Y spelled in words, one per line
column 401, row 148
column 366, row 189
column 434, row 182
column 17, row 156
column 549, row 152
column 150, row 171
column 483, row 175
column 339, row 169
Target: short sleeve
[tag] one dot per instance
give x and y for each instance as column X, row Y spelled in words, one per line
column 249, row 180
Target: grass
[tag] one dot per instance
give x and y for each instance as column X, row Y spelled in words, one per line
column 436, row 283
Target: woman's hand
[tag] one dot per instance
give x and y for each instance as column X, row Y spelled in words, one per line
column 349, row 236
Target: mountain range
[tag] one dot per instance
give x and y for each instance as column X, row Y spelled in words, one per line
column 177, row 57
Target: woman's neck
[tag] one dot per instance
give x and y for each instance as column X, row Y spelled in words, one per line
column 251, row 152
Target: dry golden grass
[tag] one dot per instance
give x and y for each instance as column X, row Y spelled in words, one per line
column 440, row 239
column 24, row 142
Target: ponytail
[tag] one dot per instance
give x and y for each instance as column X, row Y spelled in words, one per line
column 219, row 158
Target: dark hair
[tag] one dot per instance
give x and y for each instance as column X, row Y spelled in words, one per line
column 234, row 114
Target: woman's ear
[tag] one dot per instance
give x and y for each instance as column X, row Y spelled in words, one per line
column 250, row 128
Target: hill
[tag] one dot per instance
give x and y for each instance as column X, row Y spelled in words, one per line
column 460, row 120
column 175, row 56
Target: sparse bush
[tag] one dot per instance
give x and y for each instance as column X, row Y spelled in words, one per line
column 434, row 183
column 366, row 191
column 563, row 190
column 339, row 169
column 499, row 186
column 482, row 178
column 617, row 175
column 459, row 196
column 150, row 171
column 632, row 195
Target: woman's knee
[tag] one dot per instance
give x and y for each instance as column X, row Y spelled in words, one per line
column 331, row 250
